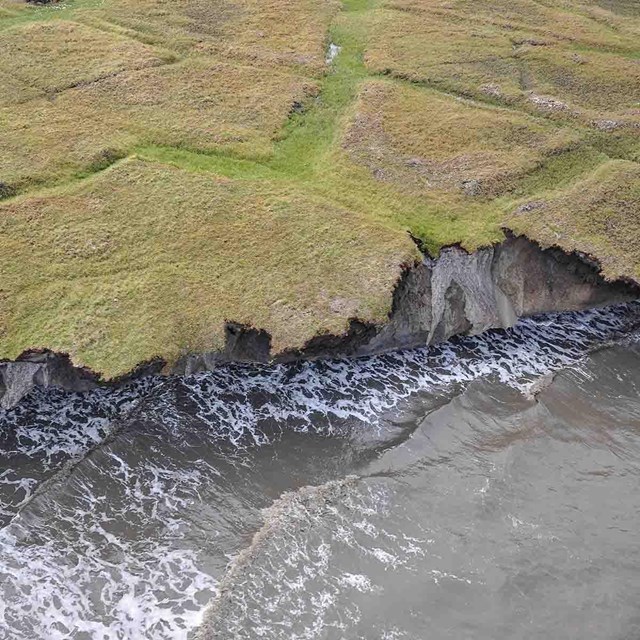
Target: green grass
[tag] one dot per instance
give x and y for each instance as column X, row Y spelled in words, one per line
column 144, row 260
column 598, row 215
column 309, row 137
column 186, row 164
column 310, row 152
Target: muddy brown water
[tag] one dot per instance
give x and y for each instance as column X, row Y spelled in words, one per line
column 485, row 488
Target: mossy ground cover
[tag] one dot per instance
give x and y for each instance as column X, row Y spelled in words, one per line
column 255, row 183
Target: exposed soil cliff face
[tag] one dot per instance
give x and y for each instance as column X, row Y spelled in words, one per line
column 458, row 293
column 461, row 293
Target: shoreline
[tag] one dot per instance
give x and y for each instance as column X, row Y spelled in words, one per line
column 458, row 293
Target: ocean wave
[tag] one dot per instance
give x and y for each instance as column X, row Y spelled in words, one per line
column 109, row 552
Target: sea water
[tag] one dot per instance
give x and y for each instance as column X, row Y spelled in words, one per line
column 482, row 488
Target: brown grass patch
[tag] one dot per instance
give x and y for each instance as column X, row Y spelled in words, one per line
column 599, row 216
column 426, row 140
column 198, row 104
column 562, row 60
column 47, row 57
column 145, row 260
column 266, row 32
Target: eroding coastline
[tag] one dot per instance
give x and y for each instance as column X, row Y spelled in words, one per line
column 456, row 294
column 152, row 488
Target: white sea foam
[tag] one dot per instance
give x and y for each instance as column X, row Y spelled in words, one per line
column 67, row 570
column 109, row 554
column 296, row 541
column 249, row 405
column 310, row 534
column 355, row 581
column 50, row 428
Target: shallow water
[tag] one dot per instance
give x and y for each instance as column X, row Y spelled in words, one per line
column 420, row 494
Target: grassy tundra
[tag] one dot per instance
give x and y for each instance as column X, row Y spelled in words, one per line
column 169, row 166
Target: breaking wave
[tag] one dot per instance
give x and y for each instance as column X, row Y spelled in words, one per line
column 250, row 405
column 102, row 493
